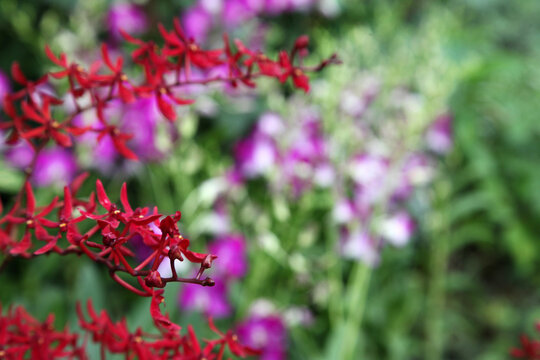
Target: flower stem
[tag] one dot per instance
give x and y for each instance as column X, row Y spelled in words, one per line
column 434, row 326
column 346, row 335
column 355, row 306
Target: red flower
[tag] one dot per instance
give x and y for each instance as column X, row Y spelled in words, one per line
column 117, row 78
column 300, row 79
column 32, row 221
column 48, row 128
column 530, row 349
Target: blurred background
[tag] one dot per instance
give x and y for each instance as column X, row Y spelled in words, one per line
column 390, row 213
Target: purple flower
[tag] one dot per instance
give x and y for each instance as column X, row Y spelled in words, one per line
column 197, row 22
column 255, row 155
column 231, row 252
column 54, row 166
column 5, row 87
column 359, row 245
column 277, row 6
column 367, row 169
column 344, row 211
column 439, row 135
column 398, row 229
column 270, row 124
column 140, row 119
column 126, row 17
column 370, row 173
column 236, row 12
column 212, row 301
column 267, row 333
column 20, row 155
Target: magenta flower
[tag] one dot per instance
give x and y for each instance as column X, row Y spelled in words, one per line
column 231, row 252
column 19, row 155
column 255, row 155
column 439, row 135
column 126, row 17
column 267, row 333
column 398, row 229
column 197, row 23
column 212, row 301
column 5, row 87
column 140, row 119
column 54, row 166
column 236, row 12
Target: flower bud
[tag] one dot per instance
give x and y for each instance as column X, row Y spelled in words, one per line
column 302, row 42
column 154, row 280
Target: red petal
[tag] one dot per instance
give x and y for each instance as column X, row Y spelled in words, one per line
column 31, row 113
column 61, row 139
column 59, row 74
column 166, row 109
column 30, row 199
column 124, row 199
column 125, row 94
column 302, row 82
column 49, row 208
column 17, row 74
column 102, row 195
column 52, row 243
column 68, row 207
column 77, row 183
column 37, row 132
column 53, row 57
column 179, row 30
column 105, row 55
column 77, row 131
column 121, row 147
column 130, row 38
column 180, row 101
column 22, row 246
column 284, row 60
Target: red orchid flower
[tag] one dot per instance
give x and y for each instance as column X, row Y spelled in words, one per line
column 300, row 79
column 49, row 127
column 117, row 78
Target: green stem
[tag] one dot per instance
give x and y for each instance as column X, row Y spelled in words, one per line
column 434, row 325
column 356, row 303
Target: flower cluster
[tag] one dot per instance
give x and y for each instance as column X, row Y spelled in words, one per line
column 100, row 229
column 202, row 16
column 528, row 349
column 115, row 227
column 22, row 336
column 371, row 182
column 179, row 62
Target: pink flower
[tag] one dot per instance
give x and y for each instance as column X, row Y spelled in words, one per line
column 359, row 245
column 212, row 301
column 398, row 229
column 20, row 155
column 255, row 155
column 197, row 23
column 54, row 166
column 267, row 333
column 231, row 252
column 5, row 87
column 126, row 17
column 439, row 135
